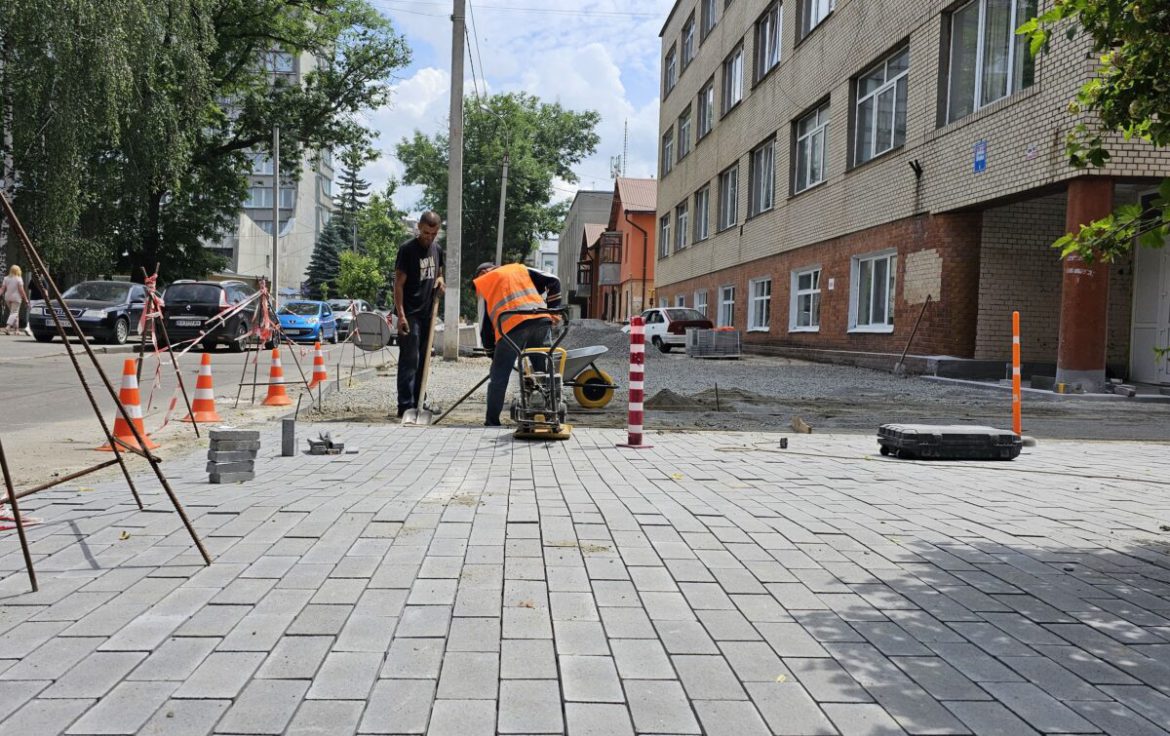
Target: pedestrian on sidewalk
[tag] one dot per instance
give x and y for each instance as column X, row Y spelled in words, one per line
column 418, row 277
column 503, row 288
column 14, row 297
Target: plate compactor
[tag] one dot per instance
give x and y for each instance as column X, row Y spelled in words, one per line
column 539, row 408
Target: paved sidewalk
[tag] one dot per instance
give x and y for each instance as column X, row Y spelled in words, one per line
column 452, row 581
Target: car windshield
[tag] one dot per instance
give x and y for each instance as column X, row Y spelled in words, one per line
column 193, row 293
column 339, row 303
column 98, row 291
column 302, row 309
column 684, row 315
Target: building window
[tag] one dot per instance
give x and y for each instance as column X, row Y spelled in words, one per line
column 709, row 16
column 761, row 179
column 812, row 139
column 805, row 309
column 701, row 301
column 680, row 300
column 871, row 292
column 280, row 62
column 669, row 72
column 667, row 152
column 327, row 157
column 265, row 225
column 684, row 133
column 729, row 197
column 881, row 107
column 733, row 79
column 726, row 307
column 688, row 42
column 987, row 60
column 812, row 13
column 760, row 305
column 768, row 31
column 682, row 226
column 702, row 214
column 261, row 164
column 259, row 197
column 706, row 108
column 326, row 186
column 288, row 198
column 664, row 236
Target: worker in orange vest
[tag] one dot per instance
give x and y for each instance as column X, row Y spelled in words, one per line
column 504, row 288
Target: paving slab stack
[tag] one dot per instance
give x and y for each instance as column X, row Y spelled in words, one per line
column 232, row 455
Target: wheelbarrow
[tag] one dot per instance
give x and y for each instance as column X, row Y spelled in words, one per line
column 592, row 387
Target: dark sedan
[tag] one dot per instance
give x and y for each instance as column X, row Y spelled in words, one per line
column 107, row 311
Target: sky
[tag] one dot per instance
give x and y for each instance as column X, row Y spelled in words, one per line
column 598, row 55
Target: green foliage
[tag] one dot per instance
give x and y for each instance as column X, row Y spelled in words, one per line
column 1130, row 95
column 353, row 190
column 381, row 229
column 359, row 277
column 544, row 141
column 325, row 263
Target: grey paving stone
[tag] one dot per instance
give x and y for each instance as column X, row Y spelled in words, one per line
column 753, row 661
column 414, row 659
column 213, row 621
column 295, row 658
column 346, row 676
column 660, row 707
column 598, row 719
column 685, row 637
column 95, row 675
column 1039, row 709
column 52, row 659
column 44, row 716
column 615, row 593
column 667, row 607
column 590, row 679
column 436, row 592
column 125, row 710
column 424, row 621
column 185, row 718
column 939, row 679
column 990, row 719
column 323, row 717
column 15, row 693
column 580, row 637
column 728, row 626
column 730, row 718
column 399, row 706
column 522, row 659
column 570, row 606
column 366, row 633
column 1145, row 700
column 974, row 663
column 469, row 676
column 1091, row 668
column 530, row 707
column 527, row 623
column 862, row 720
column 914, row 709
column 221, row 675
column 463, row 718
column 789, row 709
column 626, row 623
column 1116, row 719
column 652, row 579
column 708, row 677
column 761, row 609
column 1054, row 679
column 827, row 681
column 265, row 707
column 791, row 640
column 317, row 619
column 642, row 659
column 176, row 659
column 827, row 626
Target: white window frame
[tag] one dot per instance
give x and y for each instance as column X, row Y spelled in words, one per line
column 669, row 70
column 326, row 186
column 813, row 13
column 684, row 133
column 726, row 311
column 889, row 86
column 813, row 294
column 682, row 228
column 706, row 117
column 664, row 236
column 810, row 139
column 667, row 151
column 702, row 214
column 708, row 17
column 281, row 62
column 728, row 198
column 1016, row 44
column 680, row 301
column 688, row 41
column 769, row 31
column 762, row 178
column 855, row 287
column 760, row 305
column 259, row 198
column 261, row 164
column 732, row 79
column 701, row 301
column 288, row 198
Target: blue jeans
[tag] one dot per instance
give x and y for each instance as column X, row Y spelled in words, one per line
column 531, row 333
column 410, row 349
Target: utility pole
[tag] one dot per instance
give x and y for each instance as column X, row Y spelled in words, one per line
column 275, row 210
column 453, row 273
column 500, row 225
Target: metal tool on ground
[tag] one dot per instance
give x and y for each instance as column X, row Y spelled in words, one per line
column 900, row 366
column 231, row 457
column 324, row 444
column 539, row 407
column 425, row 413
column 462, row 398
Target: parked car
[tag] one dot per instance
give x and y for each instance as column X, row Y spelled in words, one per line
column 345, row 310
column 666, row 327
column 306, row 321
column 107, row 311
column 189, row 304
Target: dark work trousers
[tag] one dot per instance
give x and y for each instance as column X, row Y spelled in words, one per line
column 410, row 349
column 531, row 333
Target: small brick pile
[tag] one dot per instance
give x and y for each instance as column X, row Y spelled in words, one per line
column 232, row 455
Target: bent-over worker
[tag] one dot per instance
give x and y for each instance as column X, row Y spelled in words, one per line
column 503, row 288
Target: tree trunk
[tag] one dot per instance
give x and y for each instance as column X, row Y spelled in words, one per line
column 151, row 242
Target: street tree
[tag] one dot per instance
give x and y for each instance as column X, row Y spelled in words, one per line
column 1128, row 99
column 353, row 190
column 359, row 277
column 381, row 228
column 325, row 263
column 544, row 140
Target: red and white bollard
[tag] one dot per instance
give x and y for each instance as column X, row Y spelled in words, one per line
column 637, row 383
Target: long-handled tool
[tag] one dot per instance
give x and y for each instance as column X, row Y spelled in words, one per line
column 462, row 398
column 425, row 414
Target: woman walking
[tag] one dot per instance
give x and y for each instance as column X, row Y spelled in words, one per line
column 14, row 297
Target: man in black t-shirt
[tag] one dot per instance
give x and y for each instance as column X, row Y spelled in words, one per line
column 418, row 278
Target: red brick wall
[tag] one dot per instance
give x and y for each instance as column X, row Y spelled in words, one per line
column 948, row 324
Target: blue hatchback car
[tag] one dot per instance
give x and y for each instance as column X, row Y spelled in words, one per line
column 307, row 321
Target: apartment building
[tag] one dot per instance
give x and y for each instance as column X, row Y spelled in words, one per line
column 834, row 173
column 306, row 203
column 588, row 206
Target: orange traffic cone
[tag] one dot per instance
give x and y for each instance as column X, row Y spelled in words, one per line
column 203, row 408
column 130, row 399
column 319, row 373
column 277, row 396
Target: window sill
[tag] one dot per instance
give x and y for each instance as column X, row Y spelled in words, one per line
column 872, row 329
column 880, row 157
column 988, row 109
column 759, row 329
column 804, row 329
column 813, row 30
column 809, row 188
column 732, row 226
column 764, row 78
column 731, row 109
column 762, row 212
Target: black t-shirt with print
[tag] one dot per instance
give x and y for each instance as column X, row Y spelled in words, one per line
column 422, row 265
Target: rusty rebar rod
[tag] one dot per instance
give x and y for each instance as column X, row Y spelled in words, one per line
column 32, row 576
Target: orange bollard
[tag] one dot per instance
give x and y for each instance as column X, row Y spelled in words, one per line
column 1017, row 420
column 320, row 375
column 277, row 396
column 203, row 409
column 129, row 397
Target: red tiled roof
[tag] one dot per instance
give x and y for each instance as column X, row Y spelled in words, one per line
column 638, row 195
column 593, row 231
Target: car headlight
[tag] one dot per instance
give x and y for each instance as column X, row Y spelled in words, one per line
column 94, row 313
column 38, row 311
column 311, row 321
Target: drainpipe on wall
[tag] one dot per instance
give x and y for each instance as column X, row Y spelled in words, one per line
column 645, row 245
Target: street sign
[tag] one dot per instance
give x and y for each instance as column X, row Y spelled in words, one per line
column 980, row 157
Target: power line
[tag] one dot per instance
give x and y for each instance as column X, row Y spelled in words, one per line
column 528, row 9
column 475, row 34
column 471, row 59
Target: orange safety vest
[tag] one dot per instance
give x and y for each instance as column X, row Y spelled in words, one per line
column 505, row 288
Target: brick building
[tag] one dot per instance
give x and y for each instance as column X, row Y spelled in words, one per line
column 832, row 170
column 615, row 275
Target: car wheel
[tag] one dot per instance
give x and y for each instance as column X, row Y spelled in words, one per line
column 333, row 339
column 43, row 336
column 658, row 343
column 237, row 344
column 121, row 331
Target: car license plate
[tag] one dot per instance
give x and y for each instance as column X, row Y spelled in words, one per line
column 188, row 322
column 293, row 332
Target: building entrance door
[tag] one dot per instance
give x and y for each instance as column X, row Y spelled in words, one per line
column 1151, row 315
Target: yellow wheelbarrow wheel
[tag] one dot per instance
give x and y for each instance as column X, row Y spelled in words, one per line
column 593, row 388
